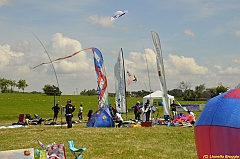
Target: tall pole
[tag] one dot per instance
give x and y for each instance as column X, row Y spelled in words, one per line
column 54, row 97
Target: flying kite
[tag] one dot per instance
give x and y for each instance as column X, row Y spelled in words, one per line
column 100, row 73
column 61, row 58
column 118, row 14
column 131, row 78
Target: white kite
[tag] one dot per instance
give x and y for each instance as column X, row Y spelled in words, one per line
column 118, row 14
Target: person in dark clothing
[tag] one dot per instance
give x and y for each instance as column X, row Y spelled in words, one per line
column 174, row 109
column 69, row 109
column 147, row 110
column 89, row 115
column 56, row 110
column 137, row 111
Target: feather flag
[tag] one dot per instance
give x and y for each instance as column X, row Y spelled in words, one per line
column 120, row 87
column 161, row 75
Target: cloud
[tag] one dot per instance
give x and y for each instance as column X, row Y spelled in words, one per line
column 188, row 32
column 236, row 60
column 237, row 33
column 5, row 3
column 228, row 71
column 9, row 58
column 63, row 46
column 102, row 21
column 185, row 65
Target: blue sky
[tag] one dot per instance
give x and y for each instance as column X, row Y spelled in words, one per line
column 200, row 41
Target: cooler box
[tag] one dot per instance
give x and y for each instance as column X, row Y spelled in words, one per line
column 146, row 123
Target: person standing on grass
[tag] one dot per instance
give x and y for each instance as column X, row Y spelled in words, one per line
column 89, row 115
column 69, row 109
column 137, row 111
column 56, row 110
column 80, row 113
column 147, row 110
column 174, row 109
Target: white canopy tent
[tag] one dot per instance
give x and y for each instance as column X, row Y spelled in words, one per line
column 156, row 95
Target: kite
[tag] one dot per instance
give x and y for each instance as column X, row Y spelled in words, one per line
column 61, row 58
column 218, row 126
column 131, row 78
column 118, row 14
column 100, row 73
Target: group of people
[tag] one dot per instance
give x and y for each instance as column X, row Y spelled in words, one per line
column 69, row 109
column 147, row 110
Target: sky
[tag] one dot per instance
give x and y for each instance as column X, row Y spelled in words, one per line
column 200, row 42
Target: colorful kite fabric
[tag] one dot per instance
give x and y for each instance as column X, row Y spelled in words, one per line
column 100, row 73
column 131, row 78
column 61, row 58
column 118, row 14
column 101, row 78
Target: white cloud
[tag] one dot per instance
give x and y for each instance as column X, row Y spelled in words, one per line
column 236, row 60
column 237, row 33
column 189, row 32
column 228, row 71
column 102, row 21
column 63, row 46
column 9, row 57
column 5, row 3
column 185, row 65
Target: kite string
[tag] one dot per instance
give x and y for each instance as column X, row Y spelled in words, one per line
column 50, row 61
column 149, row 81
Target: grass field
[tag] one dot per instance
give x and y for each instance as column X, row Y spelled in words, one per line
column 102, row 143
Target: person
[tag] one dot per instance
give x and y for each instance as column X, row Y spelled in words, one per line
column 112, row 110
column 190, row 113
column 174, row 109
column 119, row 119
column 80, row 112
column 137, row 111
column 69, row 109
column 191, row 117
column 147, row 109
column 89, row 115
column 56, row 110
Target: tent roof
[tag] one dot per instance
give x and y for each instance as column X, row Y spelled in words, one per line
column 156, row 94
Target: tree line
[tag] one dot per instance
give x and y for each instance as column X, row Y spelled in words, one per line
column 183, row 90
column 8, row 85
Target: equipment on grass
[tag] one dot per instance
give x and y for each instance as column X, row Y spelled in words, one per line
column 75, row 150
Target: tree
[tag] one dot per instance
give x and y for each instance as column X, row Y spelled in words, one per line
column 51, row 90
column 21, row 84
column 12, row 83
column 4, row 85
column 188, row 94
column 184, row 86
column 176, row 93
column 221, row 89
column 199, row 90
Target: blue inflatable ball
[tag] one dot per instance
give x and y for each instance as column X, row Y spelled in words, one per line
column 160, row 103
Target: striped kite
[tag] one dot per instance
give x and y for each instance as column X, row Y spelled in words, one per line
column 100, row 73
column 131, row 78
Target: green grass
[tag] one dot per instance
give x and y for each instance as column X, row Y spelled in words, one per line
column 102, row 143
